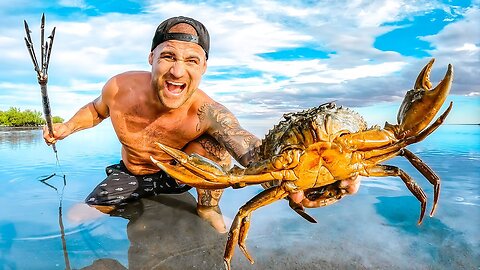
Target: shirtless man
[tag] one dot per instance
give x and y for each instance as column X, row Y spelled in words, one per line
column 163, row 105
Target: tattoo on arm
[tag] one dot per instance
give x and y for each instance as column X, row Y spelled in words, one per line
column 226, row 129
column 214, row 150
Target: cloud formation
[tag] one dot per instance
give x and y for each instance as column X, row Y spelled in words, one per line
column 271, row 57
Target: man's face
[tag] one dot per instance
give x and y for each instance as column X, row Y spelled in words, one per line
column 177, row 68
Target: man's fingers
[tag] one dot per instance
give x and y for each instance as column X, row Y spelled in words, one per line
column 297, row 197
column 50, row 141
column 351, row 186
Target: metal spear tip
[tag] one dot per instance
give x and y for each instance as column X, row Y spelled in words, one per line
column 53, row 33
column 26, row 26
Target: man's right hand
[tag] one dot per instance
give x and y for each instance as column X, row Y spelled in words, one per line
column 60, row 131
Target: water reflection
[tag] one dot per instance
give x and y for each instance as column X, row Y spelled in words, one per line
column 447, row 247
column 7, row 235
column 375, row 229
column 16, row 137
column 166, row 233
column 60, row 194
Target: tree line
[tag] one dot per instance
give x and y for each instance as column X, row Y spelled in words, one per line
column 14, row 117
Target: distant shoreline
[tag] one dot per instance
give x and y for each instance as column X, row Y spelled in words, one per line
column 4, row 128
column 462, row 124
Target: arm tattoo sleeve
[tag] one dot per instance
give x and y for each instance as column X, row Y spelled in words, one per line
column 214, row 150
column 226, row 129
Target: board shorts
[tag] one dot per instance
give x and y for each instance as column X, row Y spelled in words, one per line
column 121, row 186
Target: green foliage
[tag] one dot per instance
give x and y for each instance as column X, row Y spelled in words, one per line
column 57, row 119
column 28, row 118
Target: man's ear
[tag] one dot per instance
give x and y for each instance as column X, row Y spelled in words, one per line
column 204, row 67
column 150, row 57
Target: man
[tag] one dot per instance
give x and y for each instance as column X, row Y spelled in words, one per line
column 163, row 105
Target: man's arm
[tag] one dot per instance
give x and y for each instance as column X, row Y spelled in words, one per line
column 88, row 116
column 225, row 128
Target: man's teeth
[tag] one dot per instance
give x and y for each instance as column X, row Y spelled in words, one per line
column 176, row 83
column 175, row 87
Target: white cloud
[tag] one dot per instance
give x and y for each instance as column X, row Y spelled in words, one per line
column 89, row 50
column 73, row 3
column 469, row 48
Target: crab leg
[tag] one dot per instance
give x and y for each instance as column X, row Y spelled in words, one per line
column 422, row 167
column 385, row 153
column 299, row 209
column 387, row 170
column 426, row 171
column 241, row 223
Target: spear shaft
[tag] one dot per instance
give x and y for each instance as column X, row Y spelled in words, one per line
column 47, row 112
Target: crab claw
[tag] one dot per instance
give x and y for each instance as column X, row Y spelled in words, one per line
column 184, row 170
column 200, row 172
column 421, row 104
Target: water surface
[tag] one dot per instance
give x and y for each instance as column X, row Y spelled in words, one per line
column 377, row 228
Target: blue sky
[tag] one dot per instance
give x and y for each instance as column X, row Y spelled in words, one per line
column 267, row 57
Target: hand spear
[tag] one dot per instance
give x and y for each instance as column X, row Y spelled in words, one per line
column 42, row 70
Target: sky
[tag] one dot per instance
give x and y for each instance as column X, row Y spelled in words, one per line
column 266, row 57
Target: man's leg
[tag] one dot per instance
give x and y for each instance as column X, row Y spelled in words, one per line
column 208, row 199
column 118, row 188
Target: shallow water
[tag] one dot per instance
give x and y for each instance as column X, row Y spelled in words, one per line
column 377, row 228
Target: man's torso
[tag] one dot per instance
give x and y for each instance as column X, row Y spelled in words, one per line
column 138, row 122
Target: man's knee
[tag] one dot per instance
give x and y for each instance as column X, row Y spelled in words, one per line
column 106, row 209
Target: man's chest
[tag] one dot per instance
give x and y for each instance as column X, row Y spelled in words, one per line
column 143, row 132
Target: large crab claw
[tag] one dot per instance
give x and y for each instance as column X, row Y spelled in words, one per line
column 421, row 104
column 201, row 172
column 183, row 174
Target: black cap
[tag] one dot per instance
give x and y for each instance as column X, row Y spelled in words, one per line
column 162, row 34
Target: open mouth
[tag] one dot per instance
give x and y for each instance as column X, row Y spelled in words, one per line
column 175, row 88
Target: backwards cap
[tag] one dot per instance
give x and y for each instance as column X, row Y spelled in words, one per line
column 162, row 34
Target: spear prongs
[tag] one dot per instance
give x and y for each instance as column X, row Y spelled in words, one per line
column 46, row 50
column 42, row 70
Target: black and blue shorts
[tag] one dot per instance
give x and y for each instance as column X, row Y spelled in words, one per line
column 121, row 186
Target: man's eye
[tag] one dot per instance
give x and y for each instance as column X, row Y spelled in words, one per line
column 167, row 57
column 193, row 61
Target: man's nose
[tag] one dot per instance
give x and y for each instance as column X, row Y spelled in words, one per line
column 178, row 69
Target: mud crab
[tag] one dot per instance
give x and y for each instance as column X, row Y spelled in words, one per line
column 314, row 149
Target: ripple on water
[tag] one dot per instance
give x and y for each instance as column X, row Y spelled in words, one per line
column 79, row 228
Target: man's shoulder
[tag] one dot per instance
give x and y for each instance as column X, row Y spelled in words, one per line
column 133, row 74
column 126, row 79
column 204, row 104
column 125, row 82
column 202, row 98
